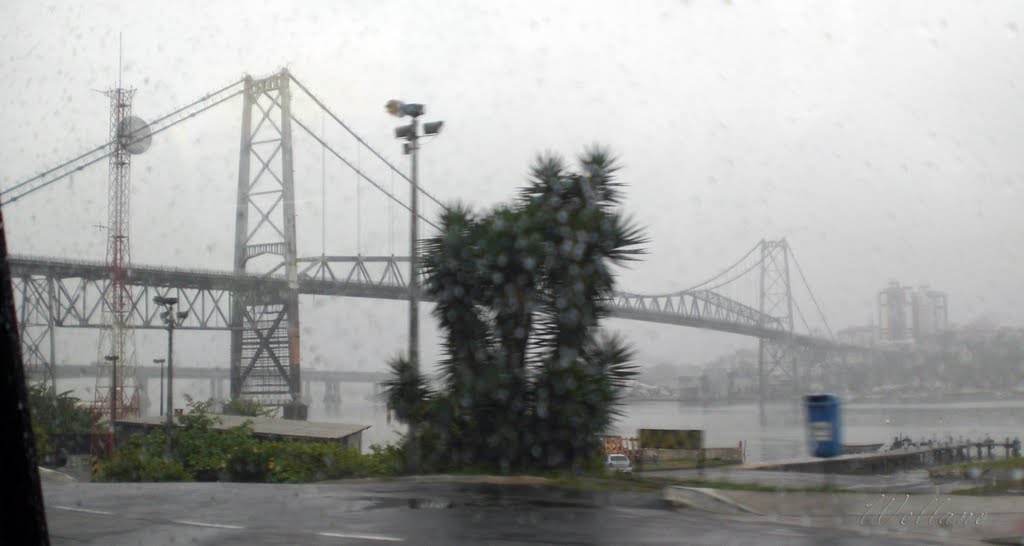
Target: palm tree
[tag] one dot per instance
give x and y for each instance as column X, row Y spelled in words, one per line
column 519, row 293
column 586, row 236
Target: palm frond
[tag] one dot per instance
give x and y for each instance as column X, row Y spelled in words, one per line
column 599, row 168
column 407, row 390
column 611, row 354
column 546, row 176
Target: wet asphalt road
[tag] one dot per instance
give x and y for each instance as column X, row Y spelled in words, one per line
column 394, row 512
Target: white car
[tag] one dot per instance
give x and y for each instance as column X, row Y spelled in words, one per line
column 619, row 463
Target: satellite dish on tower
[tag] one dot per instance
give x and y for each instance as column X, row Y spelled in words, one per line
column 134, row 135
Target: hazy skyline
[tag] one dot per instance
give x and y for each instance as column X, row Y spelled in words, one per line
column 879, row 138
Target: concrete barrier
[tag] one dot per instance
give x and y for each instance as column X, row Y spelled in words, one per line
column 885, row 462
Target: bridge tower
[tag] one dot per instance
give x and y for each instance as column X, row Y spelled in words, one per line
column 776, row 357
column 265, row 326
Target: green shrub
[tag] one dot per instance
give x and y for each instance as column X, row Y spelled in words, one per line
column 201, row 453
column 60, row 423
column 249, row 408
column 295, row 461
column 141, row 459
column 43, row 447
column 202, row 450
column 247, row 463
column 388, row 460
column 136, row 467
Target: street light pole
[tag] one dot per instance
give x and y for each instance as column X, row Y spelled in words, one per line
column 414, row 281
column 171, row 320
column 170, row 376
column 160, row 362
column 411, row 133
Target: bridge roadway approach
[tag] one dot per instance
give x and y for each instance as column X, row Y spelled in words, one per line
column 72, row 291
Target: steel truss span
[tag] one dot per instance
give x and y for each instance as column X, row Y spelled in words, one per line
column 207, row 294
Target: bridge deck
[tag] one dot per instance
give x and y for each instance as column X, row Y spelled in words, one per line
column 700, row 309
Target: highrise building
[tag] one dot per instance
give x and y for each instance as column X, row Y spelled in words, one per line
column 929, row 312
column 906, row 315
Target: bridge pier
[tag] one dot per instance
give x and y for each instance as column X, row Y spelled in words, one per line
column 760, row 383
column 141, row 386
column 795, row 377
column 775, row 359
column 36, row 327
column 332, row 393
column 775, row 301
column 845, row 370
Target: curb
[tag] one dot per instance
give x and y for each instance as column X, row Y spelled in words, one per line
column 54, row 475
column 705, row 499
column 1009, row 541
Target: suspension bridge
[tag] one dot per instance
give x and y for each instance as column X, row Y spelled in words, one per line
column 257, row 300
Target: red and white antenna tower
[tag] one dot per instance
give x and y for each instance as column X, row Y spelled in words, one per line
column 117, row 393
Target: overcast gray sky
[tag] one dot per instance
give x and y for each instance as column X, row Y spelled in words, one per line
column 882, row 139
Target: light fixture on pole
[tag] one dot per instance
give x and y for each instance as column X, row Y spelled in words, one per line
column 410, row 133
column 171, row 321
column 160, row 362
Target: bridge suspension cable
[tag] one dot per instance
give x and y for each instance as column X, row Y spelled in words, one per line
column 359, row 172
column 811, row 293
column 724, row 271
column 361, row 141
column 736, row 277
column 800, row 314
column 29, row 186
column 704, row 285
column 391, row 216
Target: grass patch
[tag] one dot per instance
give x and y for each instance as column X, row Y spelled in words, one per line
column 985, row 467
column 996, row 477
column 999, row 488
column 622, row 482
column 998, row 464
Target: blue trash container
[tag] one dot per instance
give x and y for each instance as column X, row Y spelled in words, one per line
column 824, row 431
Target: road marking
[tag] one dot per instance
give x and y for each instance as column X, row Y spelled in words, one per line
column 86, row 510
column 361, row 537
column 783, row 533
column 201, row 524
